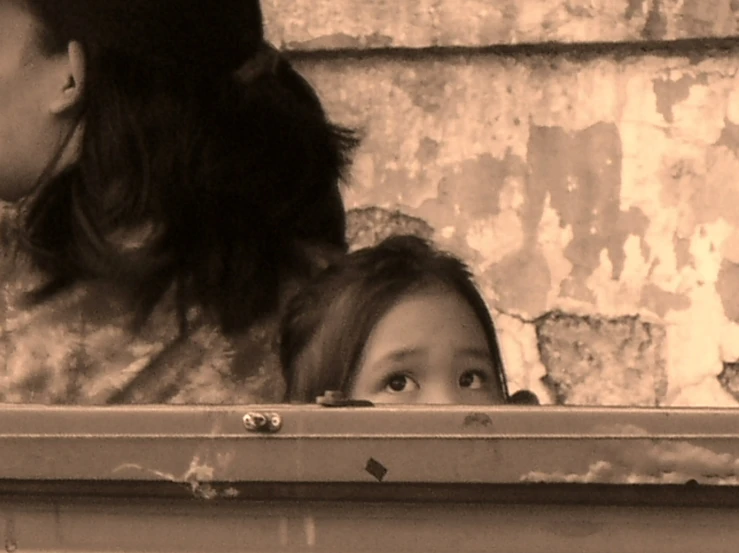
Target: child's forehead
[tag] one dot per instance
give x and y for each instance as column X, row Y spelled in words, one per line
column 425, row 317
column 431, row 293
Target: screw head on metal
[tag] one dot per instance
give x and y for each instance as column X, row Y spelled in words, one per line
column 262, row 422
column 275, row 422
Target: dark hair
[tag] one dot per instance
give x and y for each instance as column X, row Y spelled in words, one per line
column 326, row 325
column 229, row 175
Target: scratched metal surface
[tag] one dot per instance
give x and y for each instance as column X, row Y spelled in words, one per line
column 442, row 445
column 102, row 526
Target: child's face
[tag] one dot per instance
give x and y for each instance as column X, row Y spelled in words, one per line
column 428, row 348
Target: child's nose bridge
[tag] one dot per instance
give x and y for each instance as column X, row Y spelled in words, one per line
column 440, row 393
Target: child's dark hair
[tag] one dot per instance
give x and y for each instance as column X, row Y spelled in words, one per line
column 232, row 175
column 326, row 325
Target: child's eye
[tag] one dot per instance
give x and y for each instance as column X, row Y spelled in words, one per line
column 474, row 380
column 400, row 383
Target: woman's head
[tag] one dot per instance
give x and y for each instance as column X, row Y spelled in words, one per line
column 400, row 322
column 38, row 99
column 229, row 172
column 190, row 36
column 50, row 46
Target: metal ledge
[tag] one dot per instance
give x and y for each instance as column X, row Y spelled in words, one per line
column 196, row 446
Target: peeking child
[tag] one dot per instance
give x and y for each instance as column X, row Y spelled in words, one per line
column 400, row 322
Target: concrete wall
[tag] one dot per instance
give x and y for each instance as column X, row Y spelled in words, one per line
column 588, row 176
column 362, row 25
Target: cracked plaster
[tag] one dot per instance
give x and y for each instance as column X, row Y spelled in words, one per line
column 598, row 187
column 361, row 25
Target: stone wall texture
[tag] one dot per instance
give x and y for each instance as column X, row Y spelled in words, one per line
column 590, row 182
column 380, row 24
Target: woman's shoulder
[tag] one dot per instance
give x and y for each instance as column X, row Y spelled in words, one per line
column 208, row 367
column 80, row 348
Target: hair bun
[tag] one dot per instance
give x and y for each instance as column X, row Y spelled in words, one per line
column 265, row 61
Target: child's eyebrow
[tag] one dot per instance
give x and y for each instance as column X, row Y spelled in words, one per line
column 480, row 353
column 401, row 354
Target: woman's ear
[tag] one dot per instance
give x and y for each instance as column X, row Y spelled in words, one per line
column 71, row 79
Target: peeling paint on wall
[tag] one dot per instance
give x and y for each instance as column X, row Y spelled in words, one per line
column 368, row 226
column 302, row 24
column 729, row 378
column 585, row 192
column 669, row 93
column 603, row 189
column 593, row 360
column 727, row 286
